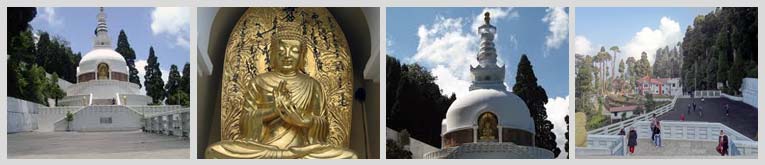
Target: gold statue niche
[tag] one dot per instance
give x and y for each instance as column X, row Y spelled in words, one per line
column 286, row 87
column 487, row 127
column 103, row 71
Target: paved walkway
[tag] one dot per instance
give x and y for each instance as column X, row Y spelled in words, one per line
column 96, row 145
column 742, row 117
column 676, row 148
column 673, row 149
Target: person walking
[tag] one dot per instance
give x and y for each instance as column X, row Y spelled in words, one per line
column 657, row 133
column 694, row 106
column 653, row 128
column 722, row 144
column 621, row 132
column 632, row 140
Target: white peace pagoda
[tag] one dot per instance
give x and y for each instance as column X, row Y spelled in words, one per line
column 489, row 122
column 102, row 76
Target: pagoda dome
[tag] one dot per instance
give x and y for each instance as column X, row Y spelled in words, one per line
column 510, row 110
column 91, row 60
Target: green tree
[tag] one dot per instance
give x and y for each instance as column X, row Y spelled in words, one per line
column 615, row 50
column 35, row 85
column 566, row 134
column 153, row 79
column 621, row 68
column 394, row 150
column 178, row 98
column 535, row 97
column 123, row 47
column 173, row 86
column 186, row 79
column 54, row 91
column 414, row 102
column 584, row 84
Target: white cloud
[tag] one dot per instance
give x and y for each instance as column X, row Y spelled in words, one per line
column 583, row 46
column 649, row 40
column 172, row 22
column 557, row 109
column 449, row 49
column 165, row 74
column 558, row 20
column 389, row 45
column 48, row 15
column 496, row 14
column 139, row 65
column 448, row 83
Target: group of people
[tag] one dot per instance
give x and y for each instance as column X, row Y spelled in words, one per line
column 655, row 134
column 722, row 142
column 631, row 139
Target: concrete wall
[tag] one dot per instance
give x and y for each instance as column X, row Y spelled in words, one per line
column 103, row 89
column 417, row 147
column 48, row 117
column 749, row 91
column 22, row 115
column 92, row 118
column 154, row 110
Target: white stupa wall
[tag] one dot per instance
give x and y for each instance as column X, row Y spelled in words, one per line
column 103, row 89
column 749, row 91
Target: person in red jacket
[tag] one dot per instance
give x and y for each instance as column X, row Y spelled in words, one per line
column 722, row 144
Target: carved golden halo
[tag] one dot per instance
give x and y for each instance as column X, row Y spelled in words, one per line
column 328, row 61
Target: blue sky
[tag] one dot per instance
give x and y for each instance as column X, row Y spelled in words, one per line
column 445, row 41
column 632, row 29
column 525, row 33
column 169, row 37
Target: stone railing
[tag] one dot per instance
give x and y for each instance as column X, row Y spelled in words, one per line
column 734, row 98
column 689, row 130
column 148, row 110
column 707, row 93
column 172, row 123
column 699, row 131
column 613, row 129
column 75, row 100
column 489, row 151
column 603, row 145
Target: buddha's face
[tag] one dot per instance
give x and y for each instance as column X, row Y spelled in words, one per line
column 288, row 55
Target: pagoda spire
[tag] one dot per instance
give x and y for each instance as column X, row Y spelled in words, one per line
column 102, row 39
column 487, row 75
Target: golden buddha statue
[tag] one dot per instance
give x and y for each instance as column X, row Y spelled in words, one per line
column 284, row 114
column 487, row 126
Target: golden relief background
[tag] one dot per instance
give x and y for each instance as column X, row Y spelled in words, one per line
column 327, row 60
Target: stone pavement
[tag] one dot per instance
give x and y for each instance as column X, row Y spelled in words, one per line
column 673, row 149
column 742, row 117
column 676, row 148
column 96, row 145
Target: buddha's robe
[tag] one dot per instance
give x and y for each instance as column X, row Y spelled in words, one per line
column 265, row 134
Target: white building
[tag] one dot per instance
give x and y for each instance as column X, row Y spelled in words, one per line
column 102, row 99
column 489, row 122
column 659, row 86
column 102, row 76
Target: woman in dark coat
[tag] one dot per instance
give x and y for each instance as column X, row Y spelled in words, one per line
column 722, row 144
column 632, row 140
